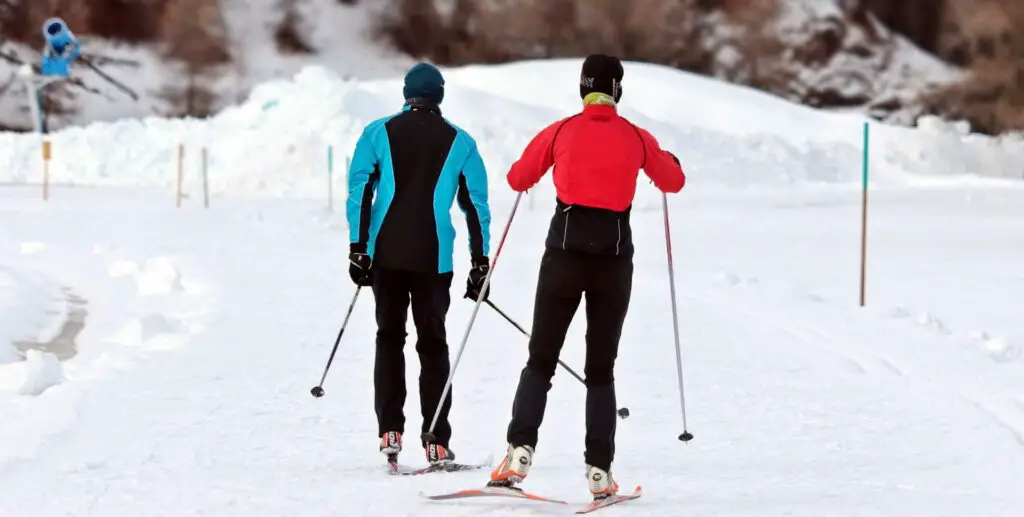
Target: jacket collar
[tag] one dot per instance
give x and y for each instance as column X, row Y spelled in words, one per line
column 421, row 105
column 600, row 110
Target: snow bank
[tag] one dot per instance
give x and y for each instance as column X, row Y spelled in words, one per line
column 276, row 142
column 31, row 309
column 42, row 372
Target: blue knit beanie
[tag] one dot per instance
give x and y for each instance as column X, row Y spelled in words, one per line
column 424, row 81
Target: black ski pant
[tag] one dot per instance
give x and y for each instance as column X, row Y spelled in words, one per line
column 429, row 295
column 565, row 277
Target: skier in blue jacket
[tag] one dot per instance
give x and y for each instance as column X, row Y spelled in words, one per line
column 61, row 49
column 407, row 170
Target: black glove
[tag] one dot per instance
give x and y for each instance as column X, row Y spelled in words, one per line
column 477, row 275
column 359, row 266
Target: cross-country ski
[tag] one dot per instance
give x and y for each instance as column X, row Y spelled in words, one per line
column 395, row 468
column 610, row 500
column 492, row 491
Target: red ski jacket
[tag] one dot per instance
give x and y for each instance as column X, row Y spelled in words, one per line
column 597, row 156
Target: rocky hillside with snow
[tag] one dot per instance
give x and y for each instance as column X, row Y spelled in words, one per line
column 816, row 52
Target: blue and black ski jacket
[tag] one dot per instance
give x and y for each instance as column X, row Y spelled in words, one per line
column 417, row 163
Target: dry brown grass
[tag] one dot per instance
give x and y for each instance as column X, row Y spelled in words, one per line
column 129, row 21
column 991, row 97
column 120, row 20
column 22, row 20
column 192, row 31
column 290, row 31
column 498, row 30
column 762, row 61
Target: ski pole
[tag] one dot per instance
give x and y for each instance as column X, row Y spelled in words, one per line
column 318, row 390
column 523, row 331
column 686, row 436
column 623, row 412
column 429, row 436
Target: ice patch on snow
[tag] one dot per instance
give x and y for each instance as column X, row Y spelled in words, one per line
column 42, row 371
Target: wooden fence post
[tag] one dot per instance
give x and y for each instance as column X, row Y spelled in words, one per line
column 206, row 181
column 181, row 172
column 46, row 169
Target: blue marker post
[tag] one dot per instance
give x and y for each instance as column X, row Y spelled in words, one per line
column 330, row 177
column 864, row 219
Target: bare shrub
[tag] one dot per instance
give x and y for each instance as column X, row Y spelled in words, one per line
column 290, row 33
column 131, row 21
column 991, row 97
column 761, row 59
column 24, row 20
column 413, row 27
column 919, row 20
column 128, row 21
column 499, row 30
column 193, row 35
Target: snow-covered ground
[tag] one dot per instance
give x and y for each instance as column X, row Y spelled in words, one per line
column 207, row 328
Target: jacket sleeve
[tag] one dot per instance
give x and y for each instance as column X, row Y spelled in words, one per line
column 362, row 183
column 661, row 166
column 472, row 198
column 537, row 158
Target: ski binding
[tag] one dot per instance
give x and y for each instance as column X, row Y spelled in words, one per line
column 610, row 500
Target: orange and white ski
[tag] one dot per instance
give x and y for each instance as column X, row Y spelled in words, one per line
column 494, row 491
column 610, row 500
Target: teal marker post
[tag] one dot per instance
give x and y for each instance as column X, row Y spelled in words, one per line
column 864, row 219
column 330, row 177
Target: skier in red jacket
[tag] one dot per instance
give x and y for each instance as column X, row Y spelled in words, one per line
column 597, row 156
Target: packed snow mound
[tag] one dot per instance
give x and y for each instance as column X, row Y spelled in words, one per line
column 31, row 309
column 276, row 143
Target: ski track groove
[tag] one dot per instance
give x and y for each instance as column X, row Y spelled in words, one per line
column 993, row 415
column 804, row 333
column 801, row 331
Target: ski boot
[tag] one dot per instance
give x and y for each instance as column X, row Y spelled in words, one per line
column 390, row 446
column 438, row 455
column 513, row 468
column 601, row 483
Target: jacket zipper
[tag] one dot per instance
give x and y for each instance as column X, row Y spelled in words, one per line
column 618, row 226
column 565, row 231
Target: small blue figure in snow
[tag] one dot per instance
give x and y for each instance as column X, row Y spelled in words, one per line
column 61, row 49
